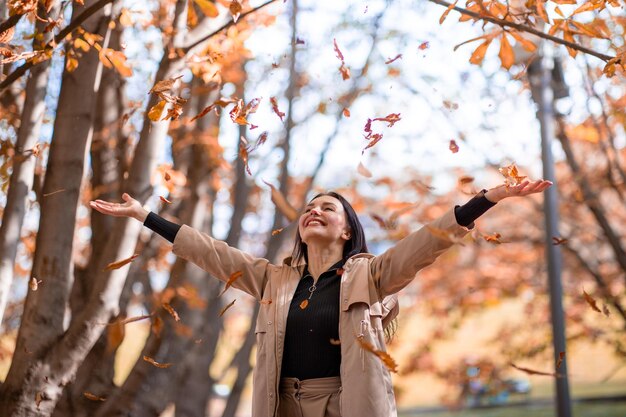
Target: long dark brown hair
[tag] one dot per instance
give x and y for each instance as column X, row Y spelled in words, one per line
column 355, row 245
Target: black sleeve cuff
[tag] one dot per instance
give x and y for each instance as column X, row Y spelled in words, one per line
column 473, row 209
column 165, row 228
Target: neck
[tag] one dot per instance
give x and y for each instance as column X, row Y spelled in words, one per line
column 322, row 257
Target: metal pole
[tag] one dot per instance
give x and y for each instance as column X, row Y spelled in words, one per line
column 540, row 80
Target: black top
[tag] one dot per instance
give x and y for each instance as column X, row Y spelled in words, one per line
column 309, row 351
column 311, row 347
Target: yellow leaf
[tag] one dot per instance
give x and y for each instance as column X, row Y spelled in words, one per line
column 81, row 44
column 479, row 54
column 507, row 56
column 208, row 8
column 155, row 112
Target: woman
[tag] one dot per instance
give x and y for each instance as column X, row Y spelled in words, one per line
column 320, row 307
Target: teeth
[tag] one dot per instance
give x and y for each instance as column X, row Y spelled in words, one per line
column 314, row 222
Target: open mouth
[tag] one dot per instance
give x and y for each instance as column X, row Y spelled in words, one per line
column 313, row 222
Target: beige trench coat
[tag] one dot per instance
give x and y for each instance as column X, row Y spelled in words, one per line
column 367, row 281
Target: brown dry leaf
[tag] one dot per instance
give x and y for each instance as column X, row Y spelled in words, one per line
column 7, row 35
column 115, row 335
column 208, row 8
column 560, row 360
column 222, row 311
column 466, row 179
column 454, row 148
column 274, row 103
column 164, row 85
column 38, row 398
column 479, row 53
column 389, row 61
column 533, row 372
column 345, row 72
column 605, row 310
column 493, row 238
column 277, row 231
column 235, row 9
column 119, row 264
column 391, row 118
column 34, row 284
column 204, row 112
column 167, row 176
column 93, row 397
column 591, row 301
column 558, row 240
column 243, row 154
column 363, row 171
column 281, row 203
column 511, row 175
column 374, row 139
column 506, row 54
column 171, row 310
column 389, row 362
column 444, row 235
column 335, row 342
column 233, row 277
column 165, row 200
column 155, row 363
column 304, row 304
column 155, row 112
column 445, row 14
column 157, row 325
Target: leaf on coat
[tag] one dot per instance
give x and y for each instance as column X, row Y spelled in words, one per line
column 119, row 264
column 274, row 103
column 222, row 311
column 591, row 301
column 93, row 397
column 444, row 235
column 533, row 372
column 171, row 310
column 266, row 302
column 155, row 363
column 281, row 203
column 233, row 277
column 388, row 361
column 511, row 175
column 304, row 304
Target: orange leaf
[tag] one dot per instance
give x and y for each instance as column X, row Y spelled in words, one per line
column 445, row 14
column 592, row 303
column 345, row 72
column 465, row 180
column 541, row 10
column 479, row 53
column 526, row 44
column 233, row 277
column 119, row 264
column 204, row 112
column 155, row 363
column 454, row 148
column 222, row 311
column 93, row 397
column 171, row 310
column 243, row 154
column 374, row 139
column 335, row 342
column 235, row 9
column 115, row 336
column 155, row 112
column 208, row 8
column 157, row 326
column 275, row 108
column 389, row 362
column 304, row 304
column 392, row 119
column 588, row 6
column 511, row 175
column 493, row 238
column 346, row 112
column 266, row 302
column 424, row 45
column 165, row 200
column 507, row 56
column 389, row 61
column 560, row 360
column 277, row 231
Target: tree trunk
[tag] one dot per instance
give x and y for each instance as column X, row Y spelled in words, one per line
column 24, row 162
column 44, row 311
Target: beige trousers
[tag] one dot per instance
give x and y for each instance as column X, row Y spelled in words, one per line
column 318, row 397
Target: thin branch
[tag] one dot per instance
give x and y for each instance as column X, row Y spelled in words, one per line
column 74, row 24
column 524, row 28
column 10, row 22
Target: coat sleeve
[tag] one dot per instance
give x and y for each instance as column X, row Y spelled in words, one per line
column 397, row 267
column 222, row 261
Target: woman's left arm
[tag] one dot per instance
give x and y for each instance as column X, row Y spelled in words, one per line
column 397, row 267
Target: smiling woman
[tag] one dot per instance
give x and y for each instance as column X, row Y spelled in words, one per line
column 320, row 330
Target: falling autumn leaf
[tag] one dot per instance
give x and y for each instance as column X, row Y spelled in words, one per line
column 115, row 336
column 93, row 397
column 533, row 372
column 222, row 311
column 374, row 139
column 560, row 360
column 388, row 361
column 277, row 231
column 274, row 103
column 235, row 9
column 363, row 171
column 392, row 119
column 304, row 304
column 171, row 310
column 233, row 277
column 165, row 200
column 243, row 154
column 423, row 46
column 454, row 148
column 493, row 238
column 155, row 363
column 204, row 112
column 389, row 61
column 591, row 301
column 119, row 264
column 511, row 175
column 345, row 71
column 163, row 85
column 346, row 113
column 155, row 112
column 558, row 240
column 465, row 180
column 34, row 284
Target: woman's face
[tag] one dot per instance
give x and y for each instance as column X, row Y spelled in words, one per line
column 324, row 220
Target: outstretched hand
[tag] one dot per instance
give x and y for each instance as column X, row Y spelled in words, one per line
column 130, row 208
column 522, row 189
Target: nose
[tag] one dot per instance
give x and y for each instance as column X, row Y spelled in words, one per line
column 315, row 211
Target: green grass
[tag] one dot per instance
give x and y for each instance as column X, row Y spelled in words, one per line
column 608, row 409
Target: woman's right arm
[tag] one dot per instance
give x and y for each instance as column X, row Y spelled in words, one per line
column 212, row 255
